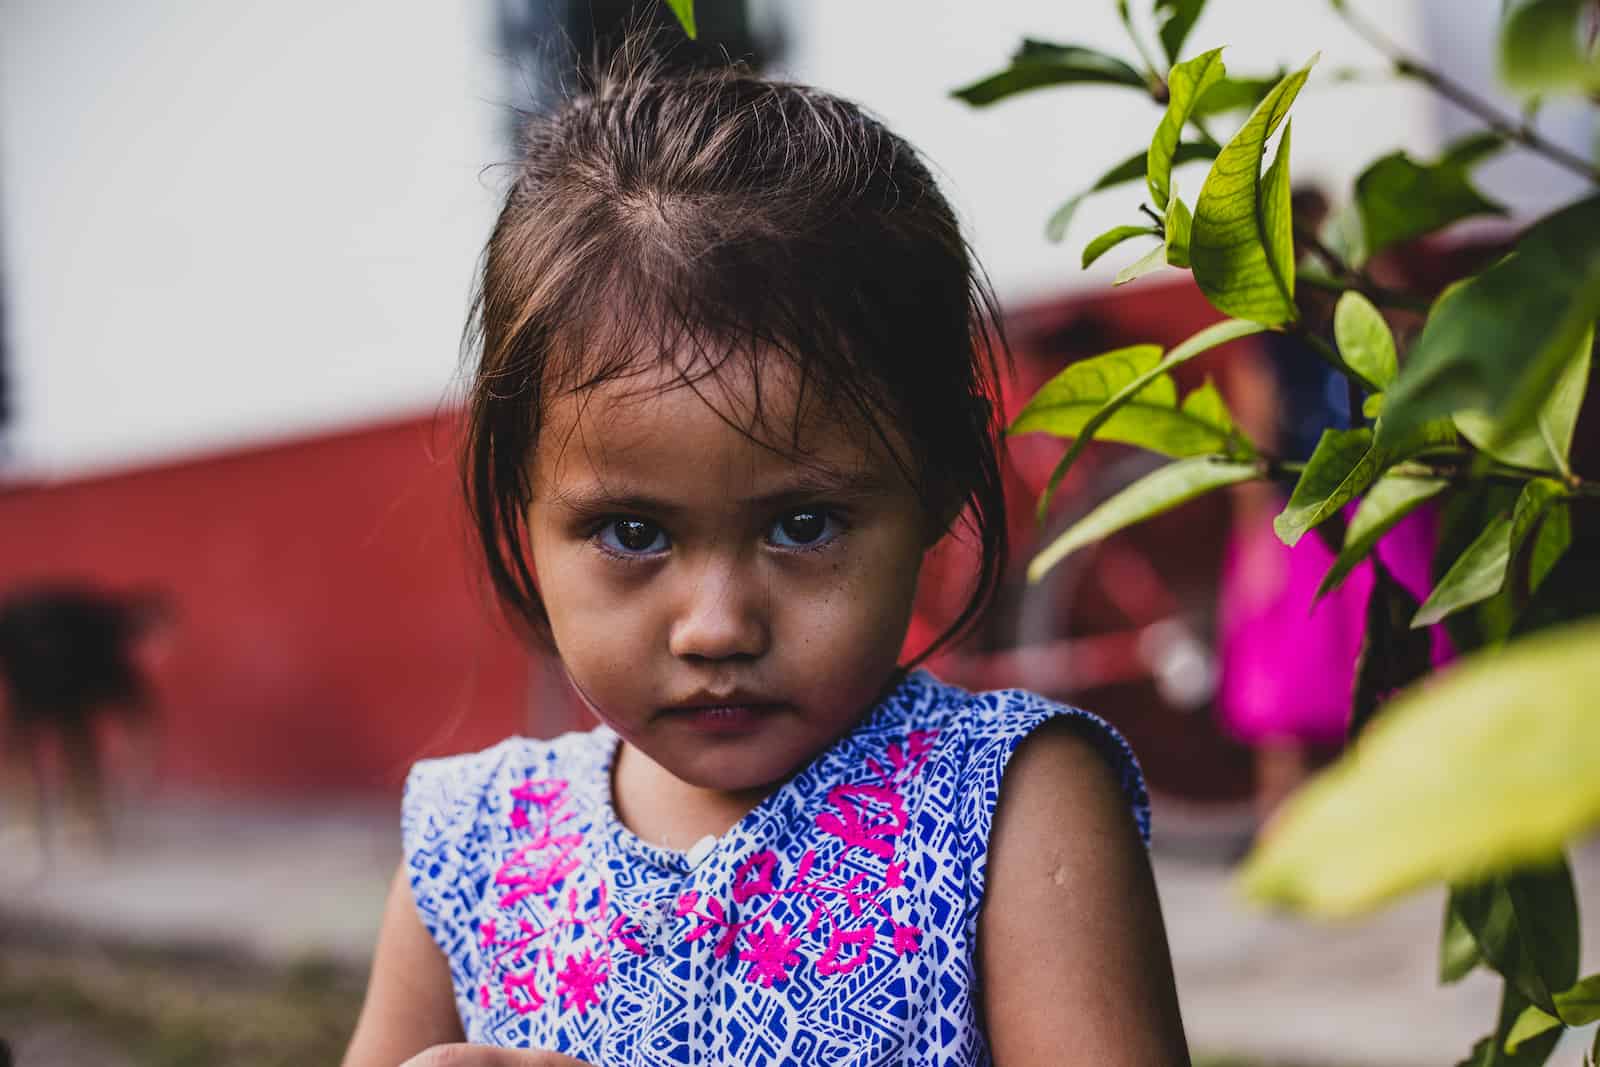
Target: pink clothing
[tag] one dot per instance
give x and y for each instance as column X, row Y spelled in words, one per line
column 1288, row 667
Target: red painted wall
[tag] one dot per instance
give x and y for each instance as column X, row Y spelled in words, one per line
column 332, row 624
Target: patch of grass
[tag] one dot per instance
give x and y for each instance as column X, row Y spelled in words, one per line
column 172, row 1010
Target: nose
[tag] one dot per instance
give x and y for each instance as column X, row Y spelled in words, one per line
column 723, row 615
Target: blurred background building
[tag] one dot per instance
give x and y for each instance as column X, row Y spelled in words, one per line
column 236, row 247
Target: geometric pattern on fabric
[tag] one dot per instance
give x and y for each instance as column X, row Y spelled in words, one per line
column 833, row 924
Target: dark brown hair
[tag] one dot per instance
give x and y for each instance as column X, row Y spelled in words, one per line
column 742, row 218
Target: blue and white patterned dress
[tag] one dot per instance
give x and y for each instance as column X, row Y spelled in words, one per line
column 831, row 925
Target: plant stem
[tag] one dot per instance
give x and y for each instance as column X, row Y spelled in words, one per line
column 1158, row 84
column 1409, row 66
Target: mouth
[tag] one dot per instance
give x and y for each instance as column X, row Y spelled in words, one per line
column 731, row 718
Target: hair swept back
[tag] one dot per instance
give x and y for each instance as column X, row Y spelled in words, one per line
column 717, row 211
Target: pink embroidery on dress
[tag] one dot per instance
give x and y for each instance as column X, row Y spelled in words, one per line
column 537, row 868
column 867, row 816
column 771, row 954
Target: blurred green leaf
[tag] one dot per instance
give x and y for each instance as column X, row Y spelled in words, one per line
column 1179, row 224
column 1235, row 94
column 1216, row 334
column 1550, row 544
column 1364, row 339
column 1161, row 490
column 1148, row 263
column 1038, row 64
column 1342, row 465
column 1241, row 246
column 1545, row 443
column 1152, row 419
column 1185, row 85
column 1480, row 571
column 1175, row 18
column 1400, row 199
column 1130, row 169
column 1545, row 48
column 1526, row 926
column 1499, row 342
column 1477, row 574
column 1458, row 949
column 1579, row 1004
column 1111, row 239
column 684, row 9
column 1515, row 724
column 1531, row 1023
column 1391, row 498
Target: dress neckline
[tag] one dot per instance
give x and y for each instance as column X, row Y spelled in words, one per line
column 774, row 806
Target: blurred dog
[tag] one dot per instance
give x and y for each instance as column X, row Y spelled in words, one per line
column 69, row 656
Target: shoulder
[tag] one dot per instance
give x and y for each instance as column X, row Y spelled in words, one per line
column 446, row 797
column 1010, row 732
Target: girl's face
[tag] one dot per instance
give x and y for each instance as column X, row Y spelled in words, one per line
column 728, row 609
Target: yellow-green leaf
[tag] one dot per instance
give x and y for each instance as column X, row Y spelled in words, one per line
column 1531, row 1023
column 1152, row 419
column 1179, row 223
column 1241, row 246
column 1545, row 47
column 1391, row 498
column 1111, row 239
column 1343, row 464
column 1148, row 263
column 1487, row 766
column 1216, row 334
column 1188, row 82
column 1364, row 339
column 1161, row 490
column 684, row 9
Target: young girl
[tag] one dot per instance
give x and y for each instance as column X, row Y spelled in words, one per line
column 735, row 381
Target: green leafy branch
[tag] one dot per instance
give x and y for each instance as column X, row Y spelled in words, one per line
column 1478, row 408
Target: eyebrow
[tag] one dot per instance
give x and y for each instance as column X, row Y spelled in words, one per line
column 828, row 482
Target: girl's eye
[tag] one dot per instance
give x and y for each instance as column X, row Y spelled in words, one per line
column 804, row 529
column 632, row 537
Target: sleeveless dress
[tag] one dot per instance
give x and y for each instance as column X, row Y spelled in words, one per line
column 833, row 924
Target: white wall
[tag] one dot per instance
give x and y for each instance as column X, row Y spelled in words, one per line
column 230, row 222
column 227, row 222
column 1010, row 164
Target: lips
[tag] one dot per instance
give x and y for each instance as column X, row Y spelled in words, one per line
column 730, row 718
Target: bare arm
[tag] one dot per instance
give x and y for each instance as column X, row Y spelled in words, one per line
column 1072, row 957
column 409, row 1005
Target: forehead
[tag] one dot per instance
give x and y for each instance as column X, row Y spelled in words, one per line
column 745, row 417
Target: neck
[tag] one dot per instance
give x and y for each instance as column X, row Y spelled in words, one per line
column 668, row 812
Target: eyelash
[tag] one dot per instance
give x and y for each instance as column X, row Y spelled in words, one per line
column 834, row 526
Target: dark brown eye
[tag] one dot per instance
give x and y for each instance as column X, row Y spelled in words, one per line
column 632, row 536
column 801, row 528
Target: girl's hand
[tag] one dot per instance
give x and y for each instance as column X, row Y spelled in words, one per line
column 482, row 1056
